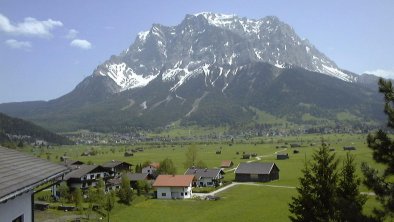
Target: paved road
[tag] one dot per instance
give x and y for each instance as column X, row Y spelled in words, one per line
column 213, row 193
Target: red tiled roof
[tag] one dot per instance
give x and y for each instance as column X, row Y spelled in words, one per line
column 226, row 163
column 173, row 181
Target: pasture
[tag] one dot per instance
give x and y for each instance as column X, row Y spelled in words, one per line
column 248, row 203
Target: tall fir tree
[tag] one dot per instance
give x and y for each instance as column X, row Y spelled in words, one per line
column 317, row 199
column 350, row 201
column 383, row 152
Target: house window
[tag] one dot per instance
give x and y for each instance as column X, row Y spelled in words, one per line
column 181, row 194
column 18, row 219
column 185, row 193
column 209, row 183
column 98, row 175
column 163, row 194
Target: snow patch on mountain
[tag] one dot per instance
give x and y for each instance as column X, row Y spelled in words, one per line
column 126, row 77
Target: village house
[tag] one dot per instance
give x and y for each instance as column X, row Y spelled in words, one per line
column 87, row 175
column 205, row 177
column 174, row 186
column 117, row 167
column 72, row 164
column 135, row 177
column 226, row 164
column 113, row 184
column 20, row 176
column 151, row 169
column 256, row 172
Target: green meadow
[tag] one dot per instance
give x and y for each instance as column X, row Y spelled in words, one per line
column 242, row 202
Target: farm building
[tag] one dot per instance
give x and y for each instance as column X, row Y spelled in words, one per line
column 174, row 186
column 205, row 177
column 256, row 172
column 128, row 153
column 246, row 156
column 282, row 156
column 226, row 164
column 20, row 175
column 87, row 175
column 349, row 148
column 117, row 166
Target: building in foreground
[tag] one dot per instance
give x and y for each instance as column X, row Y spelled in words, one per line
column 20, row 175
column 174, row 186
column 256, row 172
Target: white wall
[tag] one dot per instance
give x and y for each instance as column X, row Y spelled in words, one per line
column 174, row 192
column 205, row 182
column 148, row 169
column 15, row 207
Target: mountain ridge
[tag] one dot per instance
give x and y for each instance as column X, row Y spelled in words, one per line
column 209, row 69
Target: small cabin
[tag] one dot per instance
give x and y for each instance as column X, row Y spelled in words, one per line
column 282, row 156
column 128, row 153
column 246, row 156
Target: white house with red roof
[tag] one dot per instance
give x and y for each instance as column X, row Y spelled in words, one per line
column 174, row 186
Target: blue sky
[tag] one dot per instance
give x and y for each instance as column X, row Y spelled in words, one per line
column 48, row 47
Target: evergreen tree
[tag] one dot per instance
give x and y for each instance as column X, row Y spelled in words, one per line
column 317, row 195
column 125, row 193
column 166, row 167
column 383, row 152
column 350, row 201
column 302, row 206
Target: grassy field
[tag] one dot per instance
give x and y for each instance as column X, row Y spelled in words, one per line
column 248, row 203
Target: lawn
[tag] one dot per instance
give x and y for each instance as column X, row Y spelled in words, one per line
column 240, row 203
column 246, row 203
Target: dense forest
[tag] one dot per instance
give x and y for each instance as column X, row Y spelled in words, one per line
column 25, row 129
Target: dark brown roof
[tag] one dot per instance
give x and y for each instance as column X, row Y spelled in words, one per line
column 173, row 181
column 255, row 168
column 114, row 163
column 137, row 176
column 204, row 173
column 20, row 172
column 82, row 170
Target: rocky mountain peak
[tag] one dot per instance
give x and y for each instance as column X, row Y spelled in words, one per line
column 212, row 39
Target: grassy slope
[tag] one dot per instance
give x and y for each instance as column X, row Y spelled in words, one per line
column 239, row 202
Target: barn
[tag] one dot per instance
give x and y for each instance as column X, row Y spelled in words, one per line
column 256, row 172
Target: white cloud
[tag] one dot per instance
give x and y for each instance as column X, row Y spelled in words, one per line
column 15, row 44
column 30, row 26
column 81, row 43
column 385, row 73
column 72, row 34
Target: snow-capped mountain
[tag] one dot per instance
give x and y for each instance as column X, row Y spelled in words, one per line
column 207, row 39
column 211, row 69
